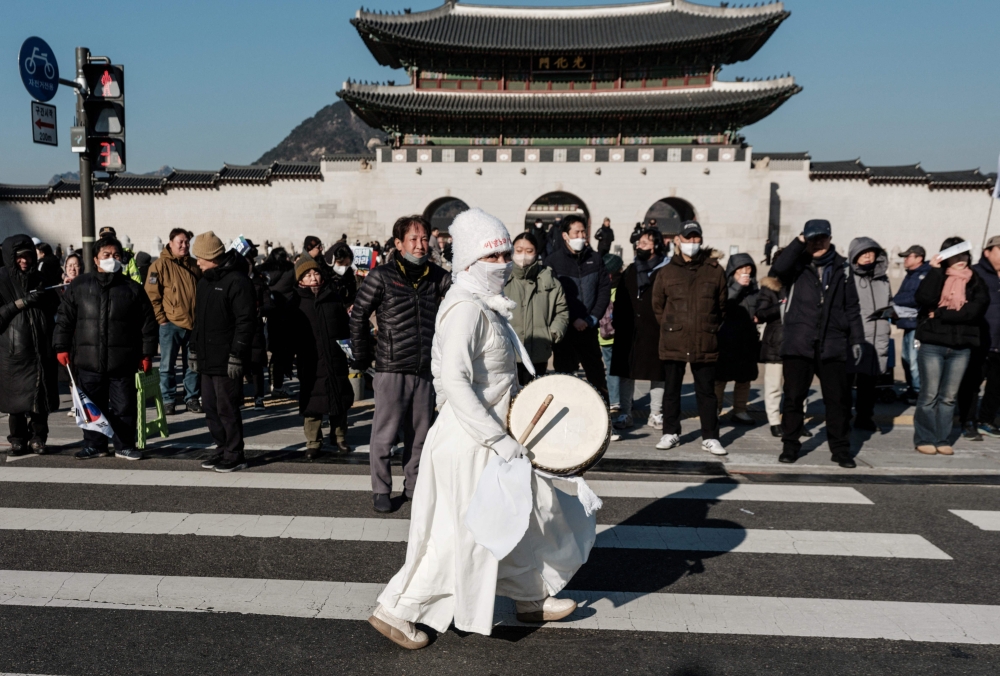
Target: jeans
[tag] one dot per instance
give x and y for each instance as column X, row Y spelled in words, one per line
column 941, row 371
column 174, row 339
column 704, row 390
column 626, row 392
column 909, row 359
column 614, row 396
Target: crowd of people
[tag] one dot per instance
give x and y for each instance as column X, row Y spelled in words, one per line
column 218, row 315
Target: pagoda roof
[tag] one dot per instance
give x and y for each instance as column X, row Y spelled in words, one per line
column 841, row 169
column 908, row 173
column 960, row 180
column 725, row 106
column 731, row 34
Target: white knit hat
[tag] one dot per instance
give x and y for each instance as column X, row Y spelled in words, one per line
column 475, row 234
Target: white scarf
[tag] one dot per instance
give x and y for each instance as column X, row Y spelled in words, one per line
column 502, row 306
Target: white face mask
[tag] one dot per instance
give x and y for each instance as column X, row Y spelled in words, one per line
column 490, row 277
column 524, row 260
column 340, row 269
column 578, row 244
column 110, row 264
column 690, row 249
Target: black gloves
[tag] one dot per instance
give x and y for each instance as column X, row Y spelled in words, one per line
column 30, row 300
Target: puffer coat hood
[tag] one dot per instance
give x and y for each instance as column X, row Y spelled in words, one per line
column 737, row 261
column 861, row 244
column 874, row 294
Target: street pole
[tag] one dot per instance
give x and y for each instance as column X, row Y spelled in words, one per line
column 86, row 175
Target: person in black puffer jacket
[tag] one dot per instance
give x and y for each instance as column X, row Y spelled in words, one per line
column 258, row 351
column 587, row 284
column 404, row 294
column 739, row 342
column 225, row 322
column 984, row 361
column 317, row 320
column 343, row 283
column 822, row 327
column 27, row 362
column 106, row 331
column 280, row 276
column 770, row 301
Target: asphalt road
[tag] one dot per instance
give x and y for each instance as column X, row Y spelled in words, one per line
column 124, row 640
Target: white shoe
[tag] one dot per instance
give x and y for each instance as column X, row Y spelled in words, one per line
column 402, row 633
column 668, row 441
column 616, row 437
column 548, row 609
column 655, row 420
column 713, row 446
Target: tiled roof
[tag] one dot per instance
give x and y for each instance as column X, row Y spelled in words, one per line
column 780, row 156
column 69, row 188
column 970, row 179
column 846, row 169
column 901, row 174
column 232, row 173
column 296, row 170
column 736, row 33
column 132, row 183
column 349, row 157
column 725, row 106
column 184, row 178
column 25, row 193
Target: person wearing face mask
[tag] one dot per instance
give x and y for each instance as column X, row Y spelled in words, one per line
column 822, row 329
column 587, row 284
column 636, row 351
column 222, row 346
column 952, row 302
column 541, row 317
column 342, row 281
column 27, row 362
column 739, row 342
column 448, row 577
column 403, row 294
column 317, row 319
column 869, row 265
column 107, row 330
column 689, row 300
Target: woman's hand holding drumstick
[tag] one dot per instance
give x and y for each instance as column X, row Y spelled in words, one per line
column 534, row 421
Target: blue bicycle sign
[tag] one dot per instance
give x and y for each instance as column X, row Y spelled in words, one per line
column 39, row 69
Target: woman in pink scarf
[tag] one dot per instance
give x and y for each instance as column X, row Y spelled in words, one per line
column 952, row 303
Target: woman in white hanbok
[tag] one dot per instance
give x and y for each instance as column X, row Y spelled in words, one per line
column 448, row 577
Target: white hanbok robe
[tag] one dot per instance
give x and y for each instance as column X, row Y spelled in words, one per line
column 447, row 577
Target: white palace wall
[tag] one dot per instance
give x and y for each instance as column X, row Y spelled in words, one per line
column 734, row 202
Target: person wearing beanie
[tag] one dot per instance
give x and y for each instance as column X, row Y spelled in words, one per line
column 221, row 346
column 587, row 284
column 403, row 294
column 451, row 574
column 317, row 321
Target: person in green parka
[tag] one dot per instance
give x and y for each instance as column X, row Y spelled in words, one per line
column 542, row 315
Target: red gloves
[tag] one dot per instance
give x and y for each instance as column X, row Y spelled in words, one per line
column 146, row 364
column 63, row 358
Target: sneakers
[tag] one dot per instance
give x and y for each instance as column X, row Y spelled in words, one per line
column 312, row 454
column 258, row 403
column 989, row 429
column 194, row 405
column 548, row 609
column 90, row 452
column 129, row 454
column 655, row 421
column 211, row 461
column 231, row 465
column 668, row 441
column 776, row 431
column 713, row 446
column 169, row 408
column 970, row 432
column 624, row 421
column 743, row 418
column 402, row 633
column 382, row 502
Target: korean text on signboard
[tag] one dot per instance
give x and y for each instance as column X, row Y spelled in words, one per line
column 364, row 258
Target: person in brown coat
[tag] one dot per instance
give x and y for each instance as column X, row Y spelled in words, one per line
column 689, row 299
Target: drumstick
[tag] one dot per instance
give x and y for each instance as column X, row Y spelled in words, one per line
column 534, row 421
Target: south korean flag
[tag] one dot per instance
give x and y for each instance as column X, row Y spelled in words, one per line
column 88, row 416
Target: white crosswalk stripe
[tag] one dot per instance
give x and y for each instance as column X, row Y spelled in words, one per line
column 723, row 491
column 735, row 540
column 683, row 613
column 983, row 519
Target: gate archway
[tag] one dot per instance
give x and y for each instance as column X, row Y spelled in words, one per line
column 670, row 213
column 552, row 207
column 442, row 211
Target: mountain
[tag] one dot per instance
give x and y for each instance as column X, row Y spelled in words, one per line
column 75, row 175
column 333, row 130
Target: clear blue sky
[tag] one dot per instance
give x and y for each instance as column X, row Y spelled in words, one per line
column 209, row 82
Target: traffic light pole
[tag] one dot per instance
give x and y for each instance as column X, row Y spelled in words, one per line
column 86, row 174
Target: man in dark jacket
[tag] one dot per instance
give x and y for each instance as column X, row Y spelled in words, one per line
column 984, row 361
column 404, row 294
column 587, row 284
column 221, row 344
column 904, row 304
column 689, row 299
column 280, row 276
column 106, row 330
column 27, row 362
column 822, row 329
column 604, row 236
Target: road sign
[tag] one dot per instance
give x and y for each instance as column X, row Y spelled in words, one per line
column 43, row 123
column 78, row 139
column 39, row 70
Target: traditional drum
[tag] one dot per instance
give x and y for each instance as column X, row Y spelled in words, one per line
column 572, row 432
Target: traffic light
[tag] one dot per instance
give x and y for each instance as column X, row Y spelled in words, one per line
column 104, row 107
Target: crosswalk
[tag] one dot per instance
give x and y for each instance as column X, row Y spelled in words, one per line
column 615, row 604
